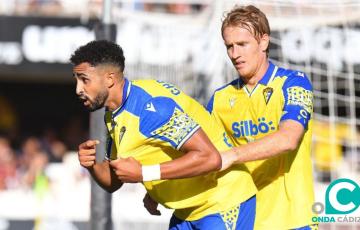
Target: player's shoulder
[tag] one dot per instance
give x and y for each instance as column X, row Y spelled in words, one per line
column 158, row 87
column 155, row 112
column 144, row 83
column 160, row 105
column 230, row 85
column 289, row 73
column 137, row 98
column 222, row 91
column 294, row 77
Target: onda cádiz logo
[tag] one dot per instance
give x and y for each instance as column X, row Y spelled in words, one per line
column 342, row 197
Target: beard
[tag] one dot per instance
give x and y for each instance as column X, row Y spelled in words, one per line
column 97, row 103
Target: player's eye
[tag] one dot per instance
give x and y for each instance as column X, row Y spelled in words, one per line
column 85, row 80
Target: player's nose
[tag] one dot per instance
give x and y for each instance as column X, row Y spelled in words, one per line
column 235, row 52
column 79, row 89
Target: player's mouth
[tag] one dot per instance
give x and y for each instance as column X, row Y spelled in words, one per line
column 85, row 101
column 239, row 64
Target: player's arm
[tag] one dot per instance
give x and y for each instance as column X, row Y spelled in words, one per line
column 100, row 171
column 286, row 139
column 297, row 111
column 200, row 155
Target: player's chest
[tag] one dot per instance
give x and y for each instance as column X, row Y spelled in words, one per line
column 124, row 131
column 251, row 116
column 263, row 101
column 131, row 142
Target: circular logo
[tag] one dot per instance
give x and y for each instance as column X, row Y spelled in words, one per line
column 318, row 207
column 342, row 197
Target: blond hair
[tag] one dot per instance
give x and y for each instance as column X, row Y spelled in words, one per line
column 248, row 17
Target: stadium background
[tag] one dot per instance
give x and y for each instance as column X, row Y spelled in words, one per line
column 41, row 122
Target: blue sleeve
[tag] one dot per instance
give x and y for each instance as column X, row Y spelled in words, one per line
column 298, row 95
column 162, row 118
column 210, row 105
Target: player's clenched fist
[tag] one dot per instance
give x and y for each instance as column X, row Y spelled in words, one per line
column 127, row 169
column 87, row 153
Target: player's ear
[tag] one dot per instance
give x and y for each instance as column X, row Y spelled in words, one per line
column 110, row 79
column 264, row 42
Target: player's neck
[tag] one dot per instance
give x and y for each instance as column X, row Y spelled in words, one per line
column 252, row 81
column 115, row 98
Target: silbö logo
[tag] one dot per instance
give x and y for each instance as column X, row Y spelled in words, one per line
column 248, row 128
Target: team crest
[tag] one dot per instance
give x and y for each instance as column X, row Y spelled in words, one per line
column 267, row 94
column 121, row 134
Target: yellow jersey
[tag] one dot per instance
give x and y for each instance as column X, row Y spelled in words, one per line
column 285, row 183
column 153, row 122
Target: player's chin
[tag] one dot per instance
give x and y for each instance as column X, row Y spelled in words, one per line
column 92, row 108
column 242, row 72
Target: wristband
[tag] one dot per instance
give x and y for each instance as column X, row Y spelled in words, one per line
column 151, row 172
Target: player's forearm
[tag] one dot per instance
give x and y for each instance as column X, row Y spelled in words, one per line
column 192, row 164
column 101, row 173
column 261, row 149
column 200, row 157
column 284, row 140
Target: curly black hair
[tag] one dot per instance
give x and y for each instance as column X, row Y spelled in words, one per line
column 99, row 52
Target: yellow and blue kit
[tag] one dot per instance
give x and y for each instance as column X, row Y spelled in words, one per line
column 285, row 182
column 153, row 122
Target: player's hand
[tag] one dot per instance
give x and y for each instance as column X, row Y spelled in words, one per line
column 87, row 153
column 127, row 169
column 151, row 205
column 228, row 158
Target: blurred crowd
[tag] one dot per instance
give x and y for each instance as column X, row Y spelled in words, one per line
column 90, row 7
column 23, row 167
column 172, row 8
column 53, row 8
column 23, row 162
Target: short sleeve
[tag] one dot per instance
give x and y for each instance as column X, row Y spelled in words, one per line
column 298, row 96
column 162, row 118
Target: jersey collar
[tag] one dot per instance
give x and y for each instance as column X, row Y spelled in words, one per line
column 269, row 75
column 266, row 79
column 126, row 92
